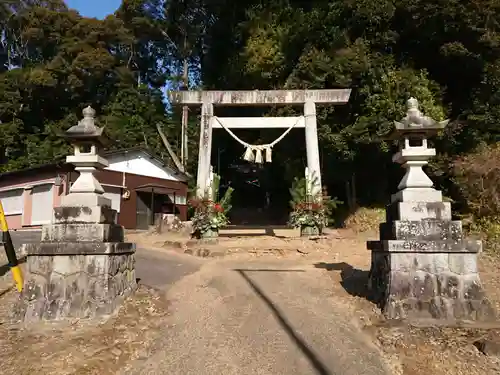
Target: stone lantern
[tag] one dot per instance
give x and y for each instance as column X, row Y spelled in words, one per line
column 82, row 268
column 87, row 140
column 414, row 130
column 422, row 268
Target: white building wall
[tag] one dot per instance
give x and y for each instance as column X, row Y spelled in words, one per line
column 141, row 164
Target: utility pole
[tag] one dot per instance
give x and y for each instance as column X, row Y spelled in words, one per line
column 184, row 135
column 185, row 109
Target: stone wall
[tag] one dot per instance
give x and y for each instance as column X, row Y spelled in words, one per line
column 76, row 286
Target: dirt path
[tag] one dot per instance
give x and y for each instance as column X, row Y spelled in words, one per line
column 408, row 350
column 263, row 317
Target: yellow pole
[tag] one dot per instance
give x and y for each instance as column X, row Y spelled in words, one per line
column 17, row 275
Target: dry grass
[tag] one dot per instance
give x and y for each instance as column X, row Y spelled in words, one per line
column 82, row 348
column 365, row 219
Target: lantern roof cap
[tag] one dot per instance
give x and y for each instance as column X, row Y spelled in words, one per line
column 86, row 129
column 415, row 122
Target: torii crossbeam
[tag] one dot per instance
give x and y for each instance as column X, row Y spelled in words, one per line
column 307, row 98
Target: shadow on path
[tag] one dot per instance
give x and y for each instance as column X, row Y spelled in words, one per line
column 278, row 314
column 354, row 281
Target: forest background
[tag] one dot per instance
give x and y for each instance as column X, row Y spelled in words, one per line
column 54, row 62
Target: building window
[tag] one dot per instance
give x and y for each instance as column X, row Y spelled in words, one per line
column 42, row 203
column 180, row 199
column 12, row 201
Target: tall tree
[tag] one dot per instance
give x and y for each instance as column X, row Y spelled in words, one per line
column 64, row 62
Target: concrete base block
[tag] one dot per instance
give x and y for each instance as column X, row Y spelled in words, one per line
column 417, row 195
column 443, row 287
column 426, row 246
column 428, row 230
column 87, row 214
column 414, row 211
column 75, row 248
column 422, row 230
column 423, row 269
column 75, row 286
column 85, row 200
column 81, row 269
column 83, row 232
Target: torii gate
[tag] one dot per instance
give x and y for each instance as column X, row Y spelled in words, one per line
column 307, row 98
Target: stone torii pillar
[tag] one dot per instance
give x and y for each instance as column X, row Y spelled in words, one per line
column 312, row 147
column 205, row 151
column 307, row 98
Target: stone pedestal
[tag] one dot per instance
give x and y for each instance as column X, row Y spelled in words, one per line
column 80, row 269
column 423, row 268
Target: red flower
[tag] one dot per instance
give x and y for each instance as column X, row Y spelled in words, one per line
column 218, row 208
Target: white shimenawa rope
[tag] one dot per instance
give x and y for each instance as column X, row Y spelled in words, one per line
column 249, row 152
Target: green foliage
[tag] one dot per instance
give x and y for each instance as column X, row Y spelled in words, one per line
column 225, row 202
column 207, row 216
column 476, row 177
column 307, row 209
column 213, row 189
column 213, row 194
column 478, row 180
column 210, row 213
column 307, row 215
column 298, row 191
column 54, row 62
column 446, row 55
column 330, row 206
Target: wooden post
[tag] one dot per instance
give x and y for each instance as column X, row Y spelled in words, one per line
column 152, row 206
column 312, row 146
column 205, row 152
column 175, row 204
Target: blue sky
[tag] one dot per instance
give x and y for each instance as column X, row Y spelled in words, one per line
column 94, row 8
